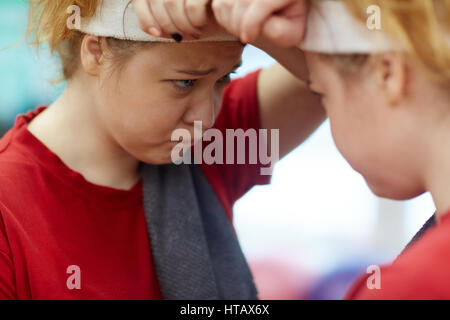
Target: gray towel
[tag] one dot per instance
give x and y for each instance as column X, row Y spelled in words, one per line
column 196, row 253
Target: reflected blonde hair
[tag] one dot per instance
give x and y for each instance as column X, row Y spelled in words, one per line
column 420, row 26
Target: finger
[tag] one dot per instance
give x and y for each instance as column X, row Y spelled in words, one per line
column 237, row 15
column 197, row 12
column 162, row 17
column 177, row 13
column 257, row 13
column 284, row 32
column 222, row 12
column 288, row 27
column 146, row 20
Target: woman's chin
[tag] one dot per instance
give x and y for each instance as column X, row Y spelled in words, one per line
column 392, row 192
column 155, row 159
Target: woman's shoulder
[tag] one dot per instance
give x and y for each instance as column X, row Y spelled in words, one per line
column 19, row 168
column 421, row 272
column 20, row 178
column 15, row 155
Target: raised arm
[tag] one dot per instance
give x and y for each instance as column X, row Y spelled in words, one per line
column 286, row 103
column 277, row 27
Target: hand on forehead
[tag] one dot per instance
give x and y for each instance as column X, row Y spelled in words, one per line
column 179, row 19
column 281, row 21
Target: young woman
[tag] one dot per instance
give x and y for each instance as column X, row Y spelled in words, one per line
column 387, row 94
column 90, row 205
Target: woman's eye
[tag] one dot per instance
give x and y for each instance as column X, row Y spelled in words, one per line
column 317, row 94
column 184, row 84
column 226, row 79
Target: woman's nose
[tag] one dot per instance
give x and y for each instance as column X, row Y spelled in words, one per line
column 203, row 111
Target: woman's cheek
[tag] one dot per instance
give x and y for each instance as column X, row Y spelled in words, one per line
column 346, row 140
column 338, row 133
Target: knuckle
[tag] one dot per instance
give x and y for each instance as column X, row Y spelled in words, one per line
column 277, row 34
column 222, row 5
column 170, row 3
column 167, row 26
column 144, row 25
column 197, row 22
column 276, row 31
column 191, row 6
column 228, row 4
column 197, row 19
column 265, row 4
column 216, row 5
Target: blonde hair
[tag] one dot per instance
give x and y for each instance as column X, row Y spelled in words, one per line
column 421, row 26
column 47, row 23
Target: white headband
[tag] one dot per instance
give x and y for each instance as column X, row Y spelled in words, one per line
column 117, row 19
column 332, row 29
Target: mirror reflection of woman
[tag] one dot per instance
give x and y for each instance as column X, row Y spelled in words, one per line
column 387, row 95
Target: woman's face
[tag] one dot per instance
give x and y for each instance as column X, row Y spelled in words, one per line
column 375, row 136
column 162, row 88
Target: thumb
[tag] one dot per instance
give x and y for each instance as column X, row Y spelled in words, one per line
column 284, row 32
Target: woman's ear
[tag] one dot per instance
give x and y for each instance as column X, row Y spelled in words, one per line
column 92, row 56
column 392, row 75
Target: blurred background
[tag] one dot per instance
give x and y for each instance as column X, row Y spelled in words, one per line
column 308, row 235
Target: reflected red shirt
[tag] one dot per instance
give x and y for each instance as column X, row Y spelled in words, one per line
column 422, row 272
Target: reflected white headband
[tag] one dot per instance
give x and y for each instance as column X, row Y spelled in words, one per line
column 332, row 29
column 117, row 19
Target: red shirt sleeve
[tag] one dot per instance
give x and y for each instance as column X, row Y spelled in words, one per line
column 240, row 110
column 7, row 286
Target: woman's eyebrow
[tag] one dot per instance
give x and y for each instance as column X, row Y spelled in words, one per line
column 205, row 72
column 197, row 72
column 237, row 66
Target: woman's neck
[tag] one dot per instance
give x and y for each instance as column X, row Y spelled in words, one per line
column 71, row 129
column 437, row 174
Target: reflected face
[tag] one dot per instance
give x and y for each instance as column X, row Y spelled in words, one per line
column 161, row 88
column 374, row 137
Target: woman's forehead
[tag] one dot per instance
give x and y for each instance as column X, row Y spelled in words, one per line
column 202, row 52
column 192, row 59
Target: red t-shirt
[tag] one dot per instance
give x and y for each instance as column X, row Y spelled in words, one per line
column 422, row 272
column 51, row 218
